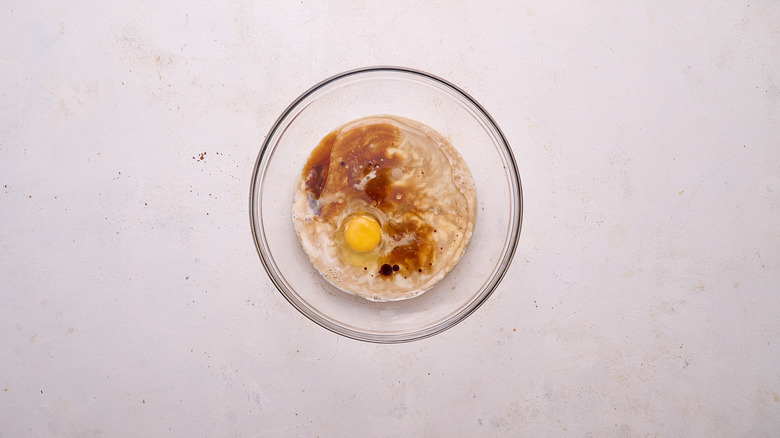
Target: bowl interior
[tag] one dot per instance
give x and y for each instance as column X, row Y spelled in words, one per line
column 412, row 95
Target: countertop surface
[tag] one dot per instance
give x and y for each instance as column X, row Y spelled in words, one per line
column 642, row 300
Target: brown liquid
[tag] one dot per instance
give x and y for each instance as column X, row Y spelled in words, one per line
column 316, row 170
column 341, row 161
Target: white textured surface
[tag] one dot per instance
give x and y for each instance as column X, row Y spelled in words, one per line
column 643, row 299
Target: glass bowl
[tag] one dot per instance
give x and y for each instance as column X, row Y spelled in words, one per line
column 415, row 95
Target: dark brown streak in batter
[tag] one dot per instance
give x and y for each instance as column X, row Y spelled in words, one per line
column 365, row 150
column 379, row 187
column 418, row 253
column 317, row 168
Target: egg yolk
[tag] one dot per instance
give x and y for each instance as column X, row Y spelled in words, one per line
column 362, row 233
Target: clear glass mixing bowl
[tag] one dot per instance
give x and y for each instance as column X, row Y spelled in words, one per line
column 419, row 96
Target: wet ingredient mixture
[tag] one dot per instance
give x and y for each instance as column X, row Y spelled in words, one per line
column 384, row 208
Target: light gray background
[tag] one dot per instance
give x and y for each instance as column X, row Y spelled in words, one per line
column 643, row 299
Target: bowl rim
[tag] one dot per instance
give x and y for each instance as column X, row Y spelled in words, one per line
column 510, row 247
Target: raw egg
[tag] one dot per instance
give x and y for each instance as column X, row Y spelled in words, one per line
column 362, row 233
